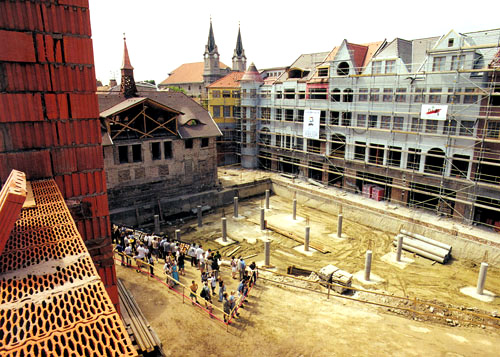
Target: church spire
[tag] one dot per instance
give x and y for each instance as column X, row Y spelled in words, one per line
column 239, row 58
column 211, row 69
column 211, row 46
column 127, row 85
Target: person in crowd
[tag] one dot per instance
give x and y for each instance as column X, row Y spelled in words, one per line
column 222, row 290
column 192, row 254
column 119, row 248
column 253, row 273
column 128, row 252
column 180, row 263
column 213, row 283
column 226, row 307
column 194, row 289
column 175, row 272
column 199, row 256
column 241, row 267
column 234, row 267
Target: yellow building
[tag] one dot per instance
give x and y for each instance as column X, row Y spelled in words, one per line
column 224, row 106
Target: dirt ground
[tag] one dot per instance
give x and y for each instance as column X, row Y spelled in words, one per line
column 284, row 321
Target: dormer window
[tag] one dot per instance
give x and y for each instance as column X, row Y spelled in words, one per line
column 450, row 42
column 193, row 122
column 323, row 72
column 343, row 69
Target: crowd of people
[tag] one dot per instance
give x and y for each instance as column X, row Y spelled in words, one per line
column 149, row 248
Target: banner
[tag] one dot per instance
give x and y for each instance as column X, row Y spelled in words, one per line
column 431, row 111
column 311, row 124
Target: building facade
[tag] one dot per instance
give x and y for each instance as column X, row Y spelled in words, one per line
column 414, row 122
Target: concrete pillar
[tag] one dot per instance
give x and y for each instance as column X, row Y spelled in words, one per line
column 157, row 223
column 306, row 240
column 368, row 264
column 235, row 207
column 482, row 278
column 200, row 223
column 224, row 229
column 399, row 248
column 339, row 226
column 177, row 234
column 267, row 253
column 262, row 217
column 294, row 209
column 267, row 199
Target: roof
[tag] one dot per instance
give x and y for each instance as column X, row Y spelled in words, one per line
column 53, row 301
column 126, row 59
column 232, row 80
column 187, row 73
column 130, row 102
column 177, row 101
column 252, row 74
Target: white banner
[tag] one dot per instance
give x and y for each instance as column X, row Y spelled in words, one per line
column 431, row 111
column 311, row 124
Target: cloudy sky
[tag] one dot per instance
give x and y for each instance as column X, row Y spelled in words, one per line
column 161, row 34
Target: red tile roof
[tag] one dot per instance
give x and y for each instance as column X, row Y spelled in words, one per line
column 188, row 73
column 232, row 80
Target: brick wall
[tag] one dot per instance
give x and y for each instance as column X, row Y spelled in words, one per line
column 49, row 116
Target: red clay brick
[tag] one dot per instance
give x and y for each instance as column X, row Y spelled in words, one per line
column 17, row 47
column 80, row 3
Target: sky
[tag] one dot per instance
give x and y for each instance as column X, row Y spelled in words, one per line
column 162, row 35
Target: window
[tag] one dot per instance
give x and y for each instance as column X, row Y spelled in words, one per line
column 244, row 93
column 394, row 158
column 493, row 129
column 244, row 113
column 457, row 62
column 334, row 118
column 136, row 153
column 204, row 142
column 266, row 113
column 348, row 96
column 318, row 93
column 468, row 98
column 385, row 122
column 279, row 95
column 372, row 121
column 376, row 67
column 416, row 124
column 155, row 151
column 450, row 42
column 434, row 98
column 278, row 141
column 216, row 94
column 323, row 72
column 359, row 150
column 253, row 93
column 374, row 94
column 376, row 154
column 236, row 93
column 188, row 143
column 300, row 116
column 363, row 94
column 237, row 112
column 389, row 66
column 335, row 95
column 253, row 113
column 322, row 117
column 167, row 149
column 438, row 63
column 123, row 154
column 450, row 127
column 346, row 118
column 400, row 97
column 290, row 93
column 302, row 94
column 467, row 128
column 431, row 126
column 413, row 159
column 216, row 109
column 288, row 114
column 419, row 95
column 397, row 123
column 361, row 120
column 453, row 98
column 460, row 165
column 343, row 69
column 227, row 111
column 387, row 97
column 278, row 114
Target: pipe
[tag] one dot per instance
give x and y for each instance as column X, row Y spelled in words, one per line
column 262, row 217
column 426, row 247
column 339, row 226
column 400, row 248
column 427, row 240
column 368, row 265
column 224, row 229
column 267, row 199
column 157, row 223
column 235, row 207
column 267, row 253
column 481, row 278
column 294, row 209
column 306, row 240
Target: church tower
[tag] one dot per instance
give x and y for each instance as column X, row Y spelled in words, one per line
column 127, row 86
column 239, row 58
column 211, row 70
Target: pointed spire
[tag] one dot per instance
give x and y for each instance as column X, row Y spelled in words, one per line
column 239, row 44
column 211, row 39
column 126, row 59
column 252, row 75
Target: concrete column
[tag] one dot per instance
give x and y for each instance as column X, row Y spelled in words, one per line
column 306, row 240
column 200, row 223
column 178, row 234
column 157, row 223
column 294, row 209
column 235, row 207
column 368, row 264
column 267, row 253
column 267, row 199
column 262, row 219
column 399, row 248
column 339, row 226
column 482, row 278
column 224, row 229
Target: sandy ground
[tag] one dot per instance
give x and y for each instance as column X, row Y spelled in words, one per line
column 290, row 322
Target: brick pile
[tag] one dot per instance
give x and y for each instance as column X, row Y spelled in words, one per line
column 49, row 116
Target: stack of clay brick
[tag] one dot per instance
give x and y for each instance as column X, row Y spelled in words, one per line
column 49, row 116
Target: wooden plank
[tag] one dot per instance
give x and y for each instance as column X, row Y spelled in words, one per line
column 291, row 235
column 30, row 199
column 233, row 251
